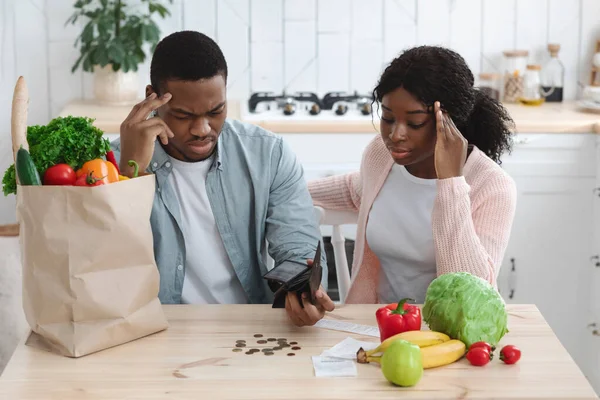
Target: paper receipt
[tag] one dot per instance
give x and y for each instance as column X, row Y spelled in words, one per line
column 366, row 330
column 347, row 348
column 330, row 367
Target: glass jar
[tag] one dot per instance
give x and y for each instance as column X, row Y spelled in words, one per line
column 553, row 76
column 490, row 84
column 533, row 95
column 515, row 65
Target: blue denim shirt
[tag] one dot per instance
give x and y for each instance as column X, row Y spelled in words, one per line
column 258, row 194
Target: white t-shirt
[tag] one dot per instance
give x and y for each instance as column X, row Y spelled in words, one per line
column 209, row 275
column 399, row 232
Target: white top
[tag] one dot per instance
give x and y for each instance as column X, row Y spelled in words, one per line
column 400, row 234
column 209, row 274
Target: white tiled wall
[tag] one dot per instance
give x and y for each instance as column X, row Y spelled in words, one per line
column 309, row 45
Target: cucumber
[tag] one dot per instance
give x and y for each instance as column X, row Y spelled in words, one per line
column 26, row 170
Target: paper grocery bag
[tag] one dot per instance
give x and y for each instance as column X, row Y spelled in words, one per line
column 90, row 280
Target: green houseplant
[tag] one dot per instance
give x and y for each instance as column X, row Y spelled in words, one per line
column 114, row 41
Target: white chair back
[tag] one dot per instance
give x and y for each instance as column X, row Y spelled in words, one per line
column 335, row 219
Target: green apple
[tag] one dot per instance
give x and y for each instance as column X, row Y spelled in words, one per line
column 402, row 363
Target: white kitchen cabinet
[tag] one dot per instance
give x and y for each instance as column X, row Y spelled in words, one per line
column 594, row 326
column 548, row 259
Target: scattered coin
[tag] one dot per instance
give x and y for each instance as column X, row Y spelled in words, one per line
column 249, row 353
column 236, row 350
column 254, row 350
column 277, row 348
column 240, row 345
column 266, row 350
column 282, row 340
column 271, row 339
column 258, row 335
column 293, row 342
column 296, row 348
column 269, row 353
column 284, row 345
column 240, row 341
column 291, row 354
column 261, row 341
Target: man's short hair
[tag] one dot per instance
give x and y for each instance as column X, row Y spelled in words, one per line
column 186, row 56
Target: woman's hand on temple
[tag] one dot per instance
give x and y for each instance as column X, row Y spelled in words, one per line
column 450, row 147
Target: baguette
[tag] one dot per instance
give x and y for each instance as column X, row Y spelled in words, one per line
column 18, row 122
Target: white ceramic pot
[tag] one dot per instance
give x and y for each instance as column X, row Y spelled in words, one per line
column 116, row 88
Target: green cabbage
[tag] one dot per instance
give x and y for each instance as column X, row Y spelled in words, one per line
column 465, row 307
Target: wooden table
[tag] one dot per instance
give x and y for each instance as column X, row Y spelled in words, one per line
column 193, row 359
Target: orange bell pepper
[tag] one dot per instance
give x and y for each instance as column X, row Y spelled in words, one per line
column 103, row 170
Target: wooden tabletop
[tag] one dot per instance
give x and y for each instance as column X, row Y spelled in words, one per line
column 193, row 359
column 548, row 118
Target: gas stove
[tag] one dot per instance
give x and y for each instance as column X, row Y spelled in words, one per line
column 308, row 106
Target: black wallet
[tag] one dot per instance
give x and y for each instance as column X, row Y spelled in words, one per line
column 292, row 276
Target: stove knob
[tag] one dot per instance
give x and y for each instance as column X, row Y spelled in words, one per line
column 289, row 109
column 341, row 109
column 315, row 109
column 365, row 109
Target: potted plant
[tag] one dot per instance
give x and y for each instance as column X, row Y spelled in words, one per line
column 113, row 42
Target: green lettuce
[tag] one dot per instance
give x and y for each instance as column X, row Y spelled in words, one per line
column 465, row 307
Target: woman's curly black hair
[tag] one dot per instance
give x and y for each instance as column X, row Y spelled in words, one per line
column 433, row 73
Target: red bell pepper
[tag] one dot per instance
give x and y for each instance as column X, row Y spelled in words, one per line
column 396, row 318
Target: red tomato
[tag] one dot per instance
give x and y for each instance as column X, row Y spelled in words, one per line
column 485, row 345
column 478, row 356
column 510, row 354
column 60, row 174
column 88, row 180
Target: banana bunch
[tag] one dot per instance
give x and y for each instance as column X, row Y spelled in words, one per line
column 437, row 349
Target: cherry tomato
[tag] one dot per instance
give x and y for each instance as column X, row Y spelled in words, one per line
column 485, row 345
column 510, row 354
column 478, row 356
column 60, row 174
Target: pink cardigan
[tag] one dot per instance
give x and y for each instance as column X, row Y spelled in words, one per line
column 471, row 221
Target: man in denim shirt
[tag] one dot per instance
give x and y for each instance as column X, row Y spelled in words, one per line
column 223, row 188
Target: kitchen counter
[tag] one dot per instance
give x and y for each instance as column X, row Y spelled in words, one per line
column 547, row 118
column 193, row 359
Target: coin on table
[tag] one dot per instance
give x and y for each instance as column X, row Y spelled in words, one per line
column 258, row 335
column 272, row 339
column 268, row 353
column 266, row 350
column 237, row 350
column 291, row 354
column 293, row 343
column 296, row 348
column 240, row 345
column 261, row 341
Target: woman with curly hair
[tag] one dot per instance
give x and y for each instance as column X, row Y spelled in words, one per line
column 430, row 194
